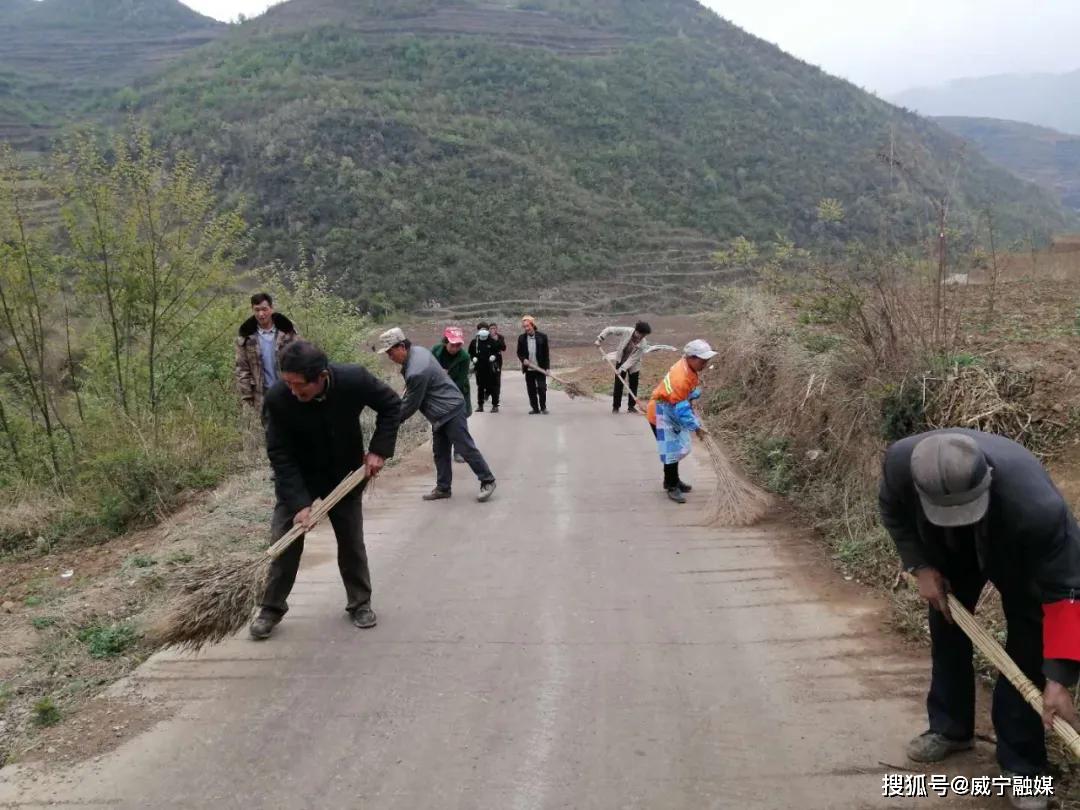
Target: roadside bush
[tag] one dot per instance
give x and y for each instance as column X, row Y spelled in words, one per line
column 108, row 641
column 46, row 712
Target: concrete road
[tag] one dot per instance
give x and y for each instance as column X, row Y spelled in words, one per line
column 578, row 642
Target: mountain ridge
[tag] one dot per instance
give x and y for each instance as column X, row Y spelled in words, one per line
column 1032, row 98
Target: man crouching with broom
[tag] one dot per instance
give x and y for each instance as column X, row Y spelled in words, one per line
column 964, row 507
column 314, row 440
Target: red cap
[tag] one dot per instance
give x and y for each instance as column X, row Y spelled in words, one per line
column 453, row 334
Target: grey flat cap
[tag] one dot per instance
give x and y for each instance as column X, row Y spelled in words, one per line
column 952, row 477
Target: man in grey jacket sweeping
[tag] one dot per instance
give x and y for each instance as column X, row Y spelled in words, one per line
column 429, row 389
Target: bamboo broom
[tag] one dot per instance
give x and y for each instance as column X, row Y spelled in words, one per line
column 572, row 389
column 216, row 599
column 997, row 656
column 736, row 502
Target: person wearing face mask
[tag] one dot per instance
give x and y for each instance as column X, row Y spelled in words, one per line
column 486, row 352
column 965, row 507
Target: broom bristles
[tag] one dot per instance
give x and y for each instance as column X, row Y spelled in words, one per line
column 736, row 501
column 215, row 602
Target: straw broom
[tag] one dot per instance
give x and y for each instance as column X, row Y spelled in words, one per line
column 736, row 502
column 572, row 389
column 216, row 599
column 997, row 656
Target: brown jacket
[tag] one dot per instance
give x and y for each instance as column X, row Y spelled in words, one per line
column 248, row 368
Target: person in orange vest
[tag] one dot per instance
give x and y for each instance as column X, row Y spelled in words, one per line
column 671, row 416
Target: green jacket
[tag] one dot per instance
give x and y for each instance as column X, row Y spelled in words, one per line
column 457, row 367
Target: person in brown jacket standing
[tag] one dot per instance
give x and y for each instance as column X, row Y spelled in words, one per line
column 259, row 344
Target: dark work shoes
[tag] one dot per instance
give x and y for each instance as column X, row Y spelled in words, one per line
column 263, row 625
column 363, row 617
column 437, row 494
column 676, row 495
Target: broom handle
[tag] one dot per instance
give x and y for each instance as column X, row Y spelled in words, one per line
column 626, row 383
column 989, row 647
column 319, row 510
column 546, row 373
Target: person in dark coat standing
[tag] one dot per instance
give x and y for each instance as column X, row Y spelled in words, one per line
column 533, row 350
column 486, row 351
column 259, row 343
column 964, row 507
column 314, row 440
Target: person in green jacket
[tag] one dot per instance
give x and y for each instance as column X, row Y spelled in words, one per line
column 456, row 363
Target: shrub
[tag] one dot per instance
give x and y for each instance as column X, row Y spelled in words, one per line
column 46, row 712
column 108, row 641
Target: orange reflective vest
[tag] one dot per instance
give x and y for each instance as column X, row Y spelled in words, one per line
column 676, row 386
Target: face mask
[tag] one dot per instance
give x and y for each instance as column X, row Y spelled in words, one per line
column 483, row 334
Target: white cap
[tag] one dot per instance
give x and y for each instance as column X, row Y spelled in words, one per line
column 389, row 339
column 699, row 348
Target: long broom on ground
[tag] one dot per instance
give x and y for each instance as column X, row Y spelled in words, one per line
column 572, row 389
column 736, row 501
column 216, row 599
column 997, row 656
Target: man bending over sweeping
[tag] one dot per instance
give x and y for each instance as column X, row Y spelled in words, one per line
column 964, row 507
column 630, row 349
column 430, row 390
column 314, row 440
column 671, row 416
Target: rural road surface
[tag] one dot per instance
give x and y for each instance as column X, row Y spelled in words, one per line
column 578, row 642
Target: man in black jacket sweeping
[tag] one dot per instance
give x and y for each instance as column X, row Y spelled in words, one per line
column 314, row 440
column 964, row 507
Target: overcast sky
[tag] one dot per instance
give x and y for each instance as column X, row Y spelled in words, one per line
column 883, row 46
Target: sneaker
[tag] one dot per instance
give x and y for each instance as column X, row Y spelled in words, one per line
column 494, row 408
column 684, row 487
column 363, row 617
column 486, row 491
column 460, row 459
column 437, row 494
column 676, row 495
column 1024, row 802
column 933, row 747
column 263, row 625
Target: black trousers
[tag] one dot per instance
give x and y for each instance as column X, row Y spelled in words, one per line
column 536, row 385
column 455, row 434
column 488, row 386
column 1021, row 743
column 348, row 522
column 631, row 397
column 671, row 471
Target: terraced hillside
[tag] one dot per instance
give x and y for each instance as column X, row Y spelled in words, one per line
column 433, row 151
column 1039, row 154
column 57, row 56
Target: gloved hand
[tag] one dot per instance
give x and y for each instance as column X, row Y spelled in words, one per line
column 598, row 342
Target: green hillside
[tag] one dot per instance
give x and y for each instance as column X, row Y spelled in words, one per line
column 58, row 56
column 1041, row 155
column 427, row 150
